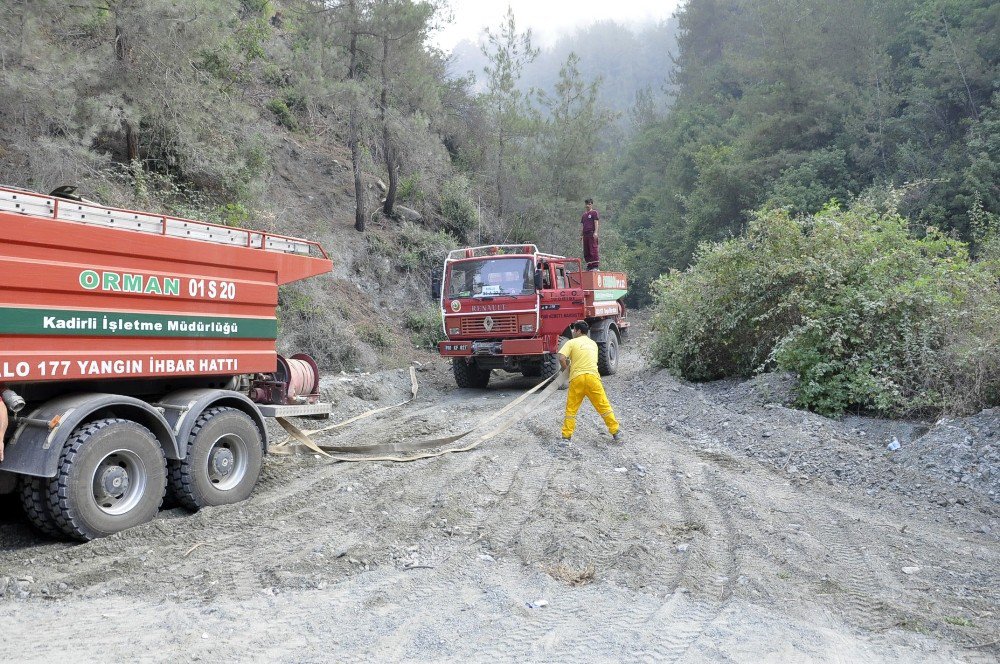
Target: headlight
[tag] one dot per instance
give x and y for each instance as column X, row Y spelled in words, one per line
column 527, row 328
column 453, row 330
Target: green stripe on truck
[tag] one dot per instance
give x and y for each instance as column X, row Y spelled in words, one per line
column 68, row 322
column 609, row 295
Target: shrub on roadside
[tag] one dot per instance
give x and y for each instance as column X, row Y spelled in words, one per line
column 425, row 326
column 457, row 206
column 867, row 314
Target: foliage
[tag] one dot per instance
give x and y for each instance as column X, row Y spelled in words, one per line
column 866, row 313
column 409, row 189
column 508, row 52
column 283, row 114
column 412, row 248
column 375, row 336
column 458, row 207
column 794, row 105
column 425, row 326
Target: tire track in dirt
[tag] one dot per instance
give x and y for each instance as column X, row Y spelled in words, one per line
column 684, row 617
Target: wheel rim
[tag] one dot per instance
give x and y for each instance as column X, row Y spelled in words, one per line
column 227, row 462
column 613, row 353
column 119, row 482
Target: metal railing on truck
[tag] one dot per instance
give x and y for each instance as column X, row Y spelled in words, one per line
column 499, row 251
column 32, row 204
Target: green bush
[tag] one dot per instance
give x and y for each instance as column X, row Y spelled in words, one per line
column 283, row 114
column 375, row 336
column 412, row 248
column 425, row 325
column 409, row 190
column 867, row 314
column 457, row 206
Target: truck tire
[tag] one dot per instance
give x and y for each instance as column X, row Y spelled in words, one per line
column 225, row 452
column 112, row 476
column 550, row 365
column 607, row 355
column 468, row 374
column 35, row 501
column 550, row 361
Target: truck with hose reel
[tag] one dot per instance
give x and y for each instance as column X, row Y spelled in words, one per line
column 137, row 356
column 509, row 307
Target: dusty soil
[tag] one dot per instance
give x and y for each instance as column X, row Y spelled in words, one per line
column 728, row 527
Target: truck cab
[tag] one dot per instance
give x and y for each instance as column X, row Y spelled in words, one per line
column 508, row 306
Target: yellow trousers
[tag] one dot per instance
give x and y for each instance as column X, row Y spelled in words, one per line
column 587, row 385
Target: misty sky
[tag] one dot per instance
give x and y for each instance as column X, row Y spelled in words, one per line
column 546, row 18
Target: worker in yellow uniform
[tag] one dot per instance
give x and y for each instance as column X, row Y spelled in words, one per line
column 579, row 355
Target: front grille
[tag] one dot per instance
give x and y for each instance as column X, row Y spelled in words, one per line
column 501, row 325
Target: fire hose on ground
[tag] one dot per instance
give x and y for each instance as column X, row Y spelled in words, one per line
column 301, row 442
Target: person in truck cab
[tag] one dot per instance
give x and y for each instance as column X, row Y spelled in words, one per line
column 579, row 356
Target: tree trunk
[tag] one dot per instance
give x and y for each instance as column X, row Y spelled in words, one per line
column 359, row 193
column 131, row 142
column 390, row 194
column 354, row 129
column 24, row 28
column 121, row 45
column 387, row 145
column 500, row 149
column 131, row 132
column 961, row 70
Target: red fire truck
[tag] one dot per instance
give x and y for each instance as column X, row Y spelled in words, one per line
column 137, row 352
column 507, row 307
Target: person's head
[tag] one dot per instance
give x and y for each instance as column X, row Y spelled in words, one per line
column 579, row 329
column 589, row 203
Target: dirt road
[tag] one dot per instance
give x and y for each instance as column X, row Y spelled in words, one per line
column 725, row 529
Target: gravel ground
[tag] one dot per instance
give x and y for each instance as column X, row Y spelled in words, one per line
column 727, row 528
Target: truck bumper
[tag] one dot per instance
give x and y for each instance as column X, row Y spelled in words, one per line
column 506, row 347
column 523, row 347
column 455, row 348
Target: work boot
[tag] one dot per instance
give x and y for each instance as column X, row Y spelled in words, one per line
column 617, row 437
column 565, row 442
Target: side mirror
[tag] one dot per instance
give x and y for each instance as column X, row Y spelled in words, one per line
column 435, row 287
column 538, row 280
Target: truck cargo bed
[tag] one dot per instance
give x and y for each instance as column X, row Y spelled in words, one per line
column 90, row 292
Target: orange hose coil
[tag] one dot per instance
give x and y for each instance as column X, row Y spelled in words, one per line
column 301, row 380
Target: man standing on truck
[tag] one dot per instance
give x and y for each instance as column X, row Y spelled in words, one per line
column 579, row 355
column 591, row 223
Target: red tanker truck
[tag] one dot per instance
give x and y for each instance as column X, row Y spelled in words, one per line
column 137, row 353
column 507, row 306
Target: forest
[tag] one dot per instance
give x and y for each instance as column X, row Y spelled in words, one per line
column 795, row 105
column 704, row 139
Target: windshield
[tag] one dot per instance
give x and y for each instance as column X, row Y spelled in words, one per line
column 487, row 277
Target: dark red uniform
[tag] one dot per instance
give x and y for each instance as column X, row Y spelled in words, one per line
column 590, row 249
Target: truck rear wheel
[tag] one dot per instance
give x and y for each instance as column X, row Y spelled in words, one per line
column 469, row 374
column 607, row 355
column 224, row 457
column 35, row 501
column 112, row 476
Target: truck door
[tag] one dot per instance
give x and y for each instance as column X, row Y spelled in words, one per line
column 561, row 300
